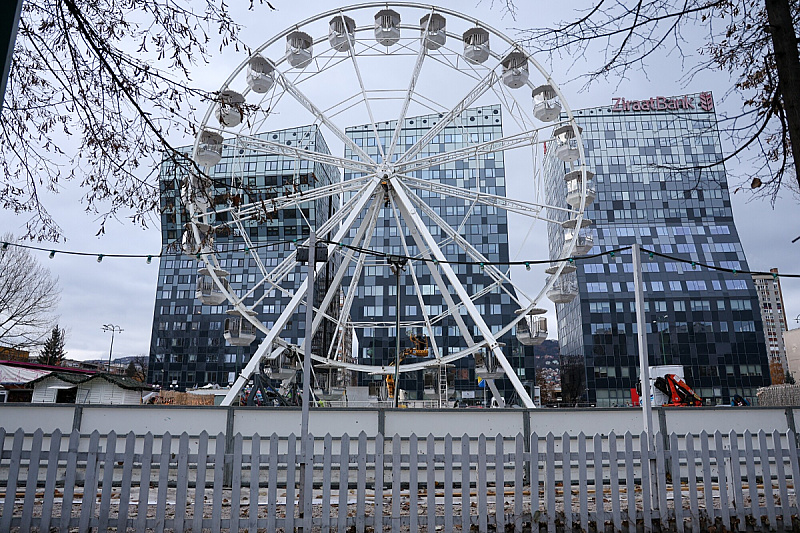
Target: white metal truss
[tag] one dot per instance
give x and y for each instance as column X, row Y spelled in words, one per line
column 476, row 92
column 420, row 233
column 291, row 307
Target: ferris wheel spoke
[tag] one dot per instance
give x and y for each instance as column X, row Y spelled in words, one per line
column 303, row 100
column 420, row 231
column 261, row 208
column 483, row 85
column 366, row 228
column 521, row 207
column 369, row 223
column 412, row 83
column 296, row 300
column 352, row 53
column 492, row 271
column 425, row 316
column 296, row 152
column 525, row 138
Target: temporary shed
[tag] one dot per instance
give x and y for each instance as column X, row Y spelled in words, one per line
column 102, row 389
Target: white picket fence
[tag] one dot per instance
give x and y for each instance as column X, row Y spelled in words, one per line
column 597, row 483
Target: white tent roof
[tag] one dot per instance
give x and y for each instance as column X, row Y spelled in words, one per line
column 15, row 374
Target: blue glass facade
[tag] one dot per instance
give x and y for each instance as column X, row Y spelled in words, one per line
column 657, row 184
column 187, row 345
column 485, row 227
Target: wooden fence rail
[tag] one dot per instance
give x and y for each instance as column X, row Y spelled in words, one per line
column 589, row 483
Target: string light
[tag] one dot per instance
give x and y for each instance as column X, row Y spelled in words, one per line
column 612, row 253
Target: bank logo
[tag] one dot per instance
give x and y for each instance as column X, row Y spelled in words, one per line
column 706, row 101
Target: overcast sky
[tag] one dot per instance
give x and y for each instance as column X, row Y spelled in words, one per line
column 122, row 291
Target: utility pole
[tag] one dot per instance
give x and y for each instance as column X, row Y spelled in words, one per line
column 306, row 488
column 641, row 328
column 113, row 329
column 397, row 264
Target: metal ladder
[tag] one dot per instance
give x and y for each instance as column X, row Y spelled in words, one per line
column 442, row 386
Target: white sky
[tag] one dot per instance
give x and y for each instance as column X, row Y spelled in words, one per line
column 122, row 291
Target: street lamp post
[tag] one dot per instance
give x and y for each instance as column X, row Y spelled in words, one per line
column 113, row 329
column 397, row 264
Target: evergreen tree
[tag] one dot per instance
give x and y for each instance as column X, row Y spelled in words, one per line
column 789, row 378
column 53, row 351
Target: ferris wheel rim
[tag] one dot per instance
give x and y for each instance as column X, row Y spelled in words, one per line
column 568, row 249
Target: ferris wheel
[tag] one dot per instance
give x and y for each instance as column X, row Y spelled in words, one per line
column 356, row 78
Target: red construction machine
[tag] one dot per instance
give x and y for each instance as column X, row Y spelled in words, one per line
column 679, row 393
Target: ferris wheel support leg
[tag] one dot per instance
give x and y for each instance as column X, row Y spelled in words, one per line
column 419, row 230
column 293, row 304
column 496, row 393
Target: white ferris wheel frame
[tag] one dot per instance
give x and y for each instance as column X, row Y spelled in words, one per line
column 367, row 193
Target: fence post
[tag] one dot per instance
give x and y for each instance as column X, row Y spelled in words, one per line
column 227, row 474
column 526, row 432
column 662, row 428
column 790, row 422
column 77, row 417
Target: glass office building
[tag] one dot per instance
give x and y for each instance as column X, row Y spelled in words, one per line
column 657, row 184
column 187, row 346
column 486, row 228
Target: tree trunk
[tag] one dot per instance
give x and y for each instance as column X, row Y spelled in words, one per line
column 787, row 60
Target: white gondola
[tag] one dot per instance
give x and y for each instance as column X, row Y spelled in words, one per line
column 584, row 241
column 299, row 49
column 190, row 244
column 476, row 45
column 546, row 106
column 515, row 69
column 230, row 108
column 209, row 149
column 387, row 27
column 532, row 330
column 341, row 32
column 574, row 181
column 207, row 291
column 194, row 192
column 260, row 74
column 566, row 143
column 280, row 368
column 434, row 33
column 563, row 291
column 572, row 223
column 238, row 330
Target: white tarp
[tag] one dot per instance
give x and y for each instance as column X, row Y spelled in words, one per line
column 16, row 374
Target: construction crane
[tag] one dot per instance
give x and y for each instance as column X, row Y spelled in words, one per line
column 679, row 393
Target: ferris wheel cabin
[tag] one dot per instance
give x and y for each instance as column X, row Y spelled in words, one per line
column 208, row 292
column 230, row 111
column 238, row 329
column 260, row 74
column 387, row 27
column 434, row 33
column 476, row 45
column 209, row 149
column 192, row 246
column 546, row 106
column 566, row 143
column 574, row 181
column 515, row 70
column 341, row 32
column 299, row 49
column 532, row 330
column 565, row 288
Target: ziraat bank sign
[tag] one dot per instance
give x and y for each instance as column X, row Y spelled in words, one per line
column 704, row 101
